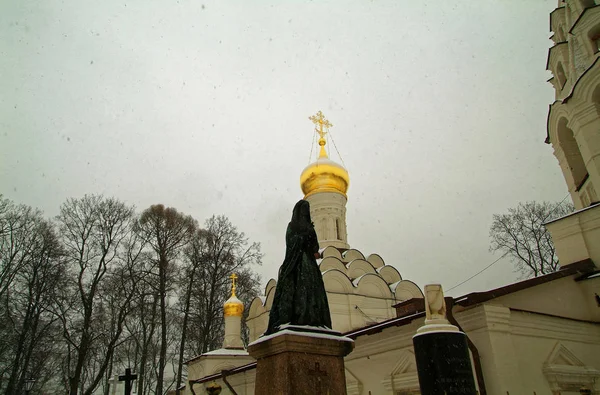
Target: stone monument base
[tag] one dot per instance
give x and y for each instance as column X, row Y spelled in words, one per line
column 294, row 361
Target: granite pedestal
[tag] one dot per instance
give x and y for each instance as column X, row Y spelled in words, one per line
column 292, row 362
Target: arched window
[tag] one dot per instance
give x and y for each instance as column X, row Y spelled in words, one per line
column 594, row 35
column 338, row 228
column 324, row 230
column 567, row 142
column 560, row 75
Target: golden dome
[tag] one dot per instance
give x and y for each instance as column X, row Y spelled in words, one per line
column 233, row 307
column 324, row 175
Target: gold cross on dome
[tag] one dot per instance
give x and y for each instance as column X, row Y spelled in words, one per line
column 319, row 120
column 233, row 278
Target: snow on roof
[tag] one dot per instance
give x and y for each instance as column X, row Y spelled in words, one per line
column 233, row 299
column 357, row 280
column 227, row 351
column 573, row 213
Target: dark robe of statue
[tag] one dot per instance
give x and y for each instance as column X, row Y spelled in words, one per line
column 300, row 297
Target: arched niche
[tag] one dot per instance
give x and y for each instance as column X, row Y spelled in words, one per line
column 389, row 274
column 406, row 290
column 336, row 281
column 376, row 261
column 359, row 267
column 594, row 39
column 332, row 263
column 573, row 160
column 372, row 285
column 556, row 111
column 561, row 76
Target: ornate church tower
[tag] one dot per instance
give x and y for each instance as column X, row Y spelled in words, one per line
column 574, row 126
column 233, row 310
column 574, row 117
column 325, row 183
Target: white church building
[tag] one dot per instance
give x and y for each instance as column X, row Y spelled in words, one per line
column 538, row 336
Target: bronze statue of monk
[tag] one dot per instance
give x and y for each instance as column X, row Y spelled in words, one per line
column 300, row 297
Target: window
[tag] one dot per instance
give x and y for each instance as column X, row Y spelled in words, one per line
column 574, row 161
column 560, row 75
column 595, row 42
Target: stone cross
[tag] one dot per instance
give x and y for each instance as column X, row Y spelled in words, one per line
column 128, row 379
column 319, row 374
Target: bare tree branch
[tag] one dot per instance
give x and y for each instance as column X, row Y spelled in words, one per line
column 521, row 235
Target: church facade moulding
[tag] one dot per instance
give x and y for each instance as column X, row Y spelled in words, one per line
column 566, row 372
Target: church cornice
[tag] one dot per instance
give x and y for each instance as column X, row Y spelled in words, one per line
column 552, row 327
column 552, row 14
column 581, row 16
column 553, row 49
column 570, row 95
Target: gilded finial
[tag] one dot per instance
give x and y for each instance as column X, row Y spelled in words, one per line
column 233, row 306
column 319, row 120
column 233, row 278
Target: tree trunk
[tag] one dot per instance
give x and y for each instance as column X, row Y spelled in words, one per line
column 82, row 351
column 163, row 325
column 145, row 342
column 186, row 312
column 15, row 375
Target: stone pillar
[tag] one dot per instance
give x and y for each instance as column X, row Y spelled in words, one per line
column 443, row 359
column 294, row 363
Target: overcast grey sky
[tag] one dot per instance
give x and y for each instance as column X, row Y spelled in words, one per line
column 439, row 112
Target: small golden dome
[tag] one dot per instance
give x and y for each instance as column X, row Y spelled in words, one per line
column 324, row 175
column 233, row 307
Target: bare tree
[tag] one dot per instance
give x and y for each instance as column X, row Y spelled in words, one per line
column 145, row 323
column 194, row 254
column 17, row 239
column 102, row 254
column 27, row 326
column 228, row 251
column 521, row 235
column 167, row 231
